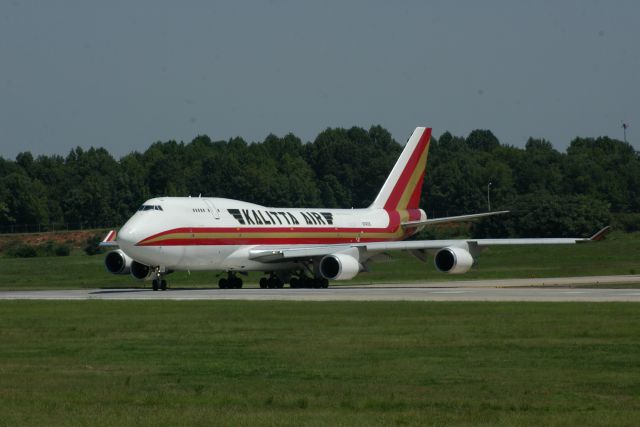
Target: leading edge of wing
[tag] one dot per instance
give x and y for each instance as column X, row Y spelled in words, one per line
column 278, row 254
column 480, row 243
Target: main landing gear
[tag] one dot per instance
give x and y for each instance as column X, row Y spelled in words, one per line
column 272, row 282
column 230, row 282
column 158, row 282
column 308, row 282
column 304, row 281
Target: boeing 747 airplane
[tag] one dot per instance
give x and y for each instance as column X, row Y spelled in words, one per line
column 302, row 247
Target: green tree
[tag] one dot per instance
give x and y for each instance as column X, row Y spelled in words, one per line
column 483, row 140
column 24, row 200
column 92, row 192
column 604, row 168
column 544, row 215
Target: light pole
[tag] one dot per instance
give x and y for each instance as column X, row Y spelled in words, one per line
column 488, row 197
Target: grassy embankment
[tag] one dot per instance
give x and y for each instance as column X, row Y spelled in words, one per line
column 282, row 363
column 619, row 254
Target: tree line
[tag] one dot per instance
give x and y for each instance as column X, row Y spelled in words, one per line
column 342, row 168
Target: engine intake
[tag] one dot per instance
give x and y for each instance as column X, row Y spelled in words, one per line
column 117, row 262
column 140, row 271
column 453, row 260
column 339, row 267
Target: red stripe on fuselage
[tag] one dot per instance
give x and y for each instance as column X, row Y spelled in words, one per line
column 231, row 241
column 306, row 234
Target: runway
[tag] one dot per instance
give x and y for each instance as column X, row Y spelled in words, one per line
column 548, row 289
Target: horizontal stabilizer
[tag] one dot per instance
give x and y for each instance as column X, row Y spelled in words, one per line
column 109, row 240
column 446, row 219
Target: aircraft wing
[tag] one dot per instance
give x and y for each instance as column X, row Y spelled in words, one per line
column 459, row 218
column 280, row 254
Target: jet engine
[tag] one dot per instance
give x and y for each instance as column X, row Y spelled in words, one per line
column 453, row 260
column 140, row 271
column 117, row 262
column 339, row 267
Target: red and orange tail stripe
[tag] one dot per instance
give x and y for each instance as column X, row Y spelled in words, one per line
column 407, row 190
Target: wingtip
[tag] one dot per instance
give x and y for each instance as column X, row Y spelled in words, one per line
column 600, row 234
column 109, row 240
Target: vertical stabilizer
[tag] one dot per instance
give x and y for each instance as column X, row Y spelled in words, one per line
column 403, row 186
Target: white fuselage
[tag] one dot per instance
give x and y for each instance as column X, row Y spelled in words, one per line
column 200, row 233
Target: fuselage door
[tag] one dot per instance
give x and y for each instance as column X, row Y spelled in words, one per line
column 212, row 208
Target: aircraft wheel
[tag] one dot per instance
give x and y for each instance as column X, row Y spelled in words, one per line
column 264, row 283
column 154, row 284
column 237, row 282
column 294, row 282
column 303, row 282
column 163, row 285
column 223, row 283
column 324, row 283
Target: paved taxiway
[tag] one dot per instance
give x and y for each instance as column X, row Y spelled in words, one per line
column 554, row 289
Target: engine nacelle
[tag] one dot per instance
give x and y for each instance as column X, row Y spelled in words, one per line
column 453, row 260
column 339, row 267
column 140, row 271
column 117, row 262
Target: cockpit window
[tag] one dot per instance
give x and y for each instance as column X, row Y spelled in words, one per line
column 150, row 208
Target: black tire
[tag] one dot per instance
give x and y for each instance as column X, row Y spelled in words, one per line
column 294, row 282
column 324, row 283
column 264, row 283
column 237, row 282
column 279, row 284
column 223, row 283
column 154, row 284
column 163, row 285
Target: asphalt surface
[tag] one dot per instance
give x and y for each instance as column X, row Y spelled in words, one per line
column 548, row 289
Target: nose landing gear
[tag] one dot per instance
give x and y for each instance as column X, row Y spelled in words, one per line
column 158, row 282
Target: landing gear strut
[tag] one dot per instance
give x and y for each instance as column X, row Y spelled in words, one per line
column 158, row 282
column 230, row 282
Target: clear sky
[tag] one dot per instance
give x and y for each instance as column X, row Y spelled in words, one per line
column 124, row 74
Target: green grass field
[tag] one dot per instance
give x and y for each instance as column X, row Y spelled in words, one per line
column 619, row 254
column 283, row 363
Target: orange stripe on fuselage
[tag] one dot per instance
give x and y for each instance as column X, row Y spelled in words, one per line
column 282, row 235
